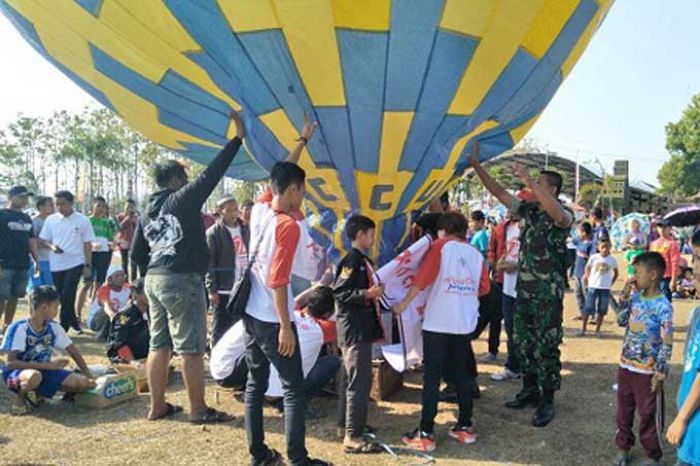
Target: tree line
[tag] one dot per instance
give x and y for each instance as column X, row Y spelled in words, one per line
column 89, row 153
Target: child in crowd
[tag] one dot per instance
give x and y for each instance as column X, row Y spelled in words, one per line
column 29, row 370
column 480, row 235
column 356, row 294
column 635, row 247
column 684, row 431
column 635, row 233
column 110, row 297
column 687, row 290
column 458, row 275
column 128, row 331
column 601, row 274
column 584, row 249
column 647, row 316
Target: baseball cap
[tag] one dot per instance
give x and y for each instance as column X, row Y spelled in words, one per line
column 525, row 195
column 113, row 270
column 19, row 190
column 225, row 200
column 635, row 241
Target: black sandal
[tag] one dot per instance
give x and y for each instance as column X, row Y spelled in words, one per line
column 364, row 448
column 170, row 411
column 212, row 416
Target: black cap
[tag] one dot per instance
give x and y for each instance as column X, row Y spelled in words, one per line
column 664, row 223
column 16, row 191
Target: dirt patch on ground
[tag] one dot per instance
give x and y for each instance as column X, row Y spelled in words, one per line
column 582, row 432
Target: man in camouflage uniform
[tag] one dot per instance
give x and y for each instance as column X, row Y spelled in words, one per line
column 544, row 227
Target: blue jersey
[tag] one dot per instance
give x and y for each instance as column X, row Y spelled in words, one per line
column 584, row 249
column 689, row 449
column 33, row 346
column 480, row 241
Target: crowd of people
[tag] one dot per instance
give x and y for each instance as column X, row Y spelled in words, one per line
column 284, row 349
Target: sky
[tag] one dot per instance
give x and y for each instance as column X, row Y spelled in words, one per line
column 638, row 73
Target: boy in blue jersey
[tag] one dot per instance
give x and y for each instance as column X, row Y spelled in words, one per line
column 684, row 431
column 647, row 316
column 29, row 344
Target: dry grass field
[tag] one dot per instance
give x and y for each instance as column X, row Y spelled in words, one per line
column 582, row 432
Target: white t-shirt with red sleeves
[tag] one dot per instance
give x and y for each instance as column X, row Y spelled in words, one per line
column 456, row 274
column 277, row 234
column 602, row 271
column 117, row 299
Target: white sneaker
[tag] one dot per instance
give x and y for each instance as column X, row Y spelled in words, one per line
column 505, row 374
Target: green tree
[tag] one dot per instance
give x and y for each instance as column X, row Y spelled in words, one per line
column 679, row 175
column 590, row 194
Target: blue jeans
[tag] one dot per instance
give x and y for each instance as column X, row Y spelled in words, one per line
column 597, row 302
column 512, row 362
column 666, row 288
column 261, row 343
column 321, row 374
column 580, row 292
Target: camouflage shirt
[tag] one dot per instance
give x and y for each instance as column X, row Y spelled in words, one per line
column 543, row 256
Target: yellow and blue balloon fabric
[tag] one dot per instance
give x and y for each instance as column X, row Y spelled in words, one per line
column 400, row 88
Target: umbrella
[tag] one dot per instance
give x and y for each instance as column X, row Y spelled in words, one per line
column 622, row 228
column 684, row 216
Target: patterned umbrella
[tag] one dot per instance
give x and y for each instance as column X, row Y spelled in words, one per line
column 684, row 216
column 623, row 227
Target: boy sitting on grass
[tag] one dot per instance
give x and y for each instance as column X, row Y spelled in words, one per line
column 29, row 371
column 647, row 315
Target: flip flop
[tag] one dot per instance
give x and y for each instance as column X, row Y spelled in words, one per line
column 364, row 448
column 212, row 416
column 170, row 411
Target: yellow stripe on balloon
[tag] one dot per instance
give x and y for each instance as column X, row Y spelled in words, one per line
column 308, row 27
column 364, row 15
column 604, row 7
column 517, row 134
column 549, row 22
column 249, row 15
column 395, row 128
column 502, row 31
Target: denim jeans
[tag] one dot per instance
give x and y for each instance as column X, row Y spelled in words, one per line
column 222, row 321
column 438, row 349
column 490, row 314
column 666, row 288
column 261, row 342
column 512, row 362
column 321, row 374
column 580, row 292
column 597, row 302
column 66, row 282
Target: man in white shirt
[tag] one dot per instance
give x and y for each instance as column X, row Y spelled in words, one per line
column 70, row 235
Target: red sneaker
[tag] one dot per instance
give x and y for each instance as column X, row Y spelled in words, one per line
column 419, row 440
column 466, row 435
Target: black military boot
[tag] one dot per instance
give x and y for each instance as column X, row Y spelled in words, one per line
column 545, row 410
column 529, row 396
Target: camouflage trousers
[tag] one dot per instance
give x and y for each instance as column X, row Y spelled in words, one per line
column 537, row 329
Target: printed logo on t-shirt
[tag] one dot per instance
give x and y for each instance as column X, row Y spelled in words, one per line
column 461, row 286
column 163, row 233
column 38, row 348
column 19, row 226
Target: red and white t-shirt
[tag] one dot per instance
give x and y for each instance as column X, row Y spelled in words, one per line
column 117, row 299
column 277, row 234
column 510, row 279
column 456, row 274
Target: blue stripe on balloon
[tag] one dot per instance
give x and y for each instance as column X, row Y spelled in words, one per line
column 180, row 85
column 363, row 59
column 229, row 65
column 336, row 128
column 243, row 166
column 269, row 53
column 413, row 29
column 439, row 149
column 181, row 111
column 394, row 229
column 448, row 63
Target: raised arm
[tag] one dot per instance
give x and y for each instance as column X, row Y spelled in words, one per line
column 490, row 184
column 549, row 203
column 307, row 132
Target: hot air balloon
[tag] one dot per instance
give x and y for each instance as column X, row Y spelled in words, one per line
column 400, row 88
